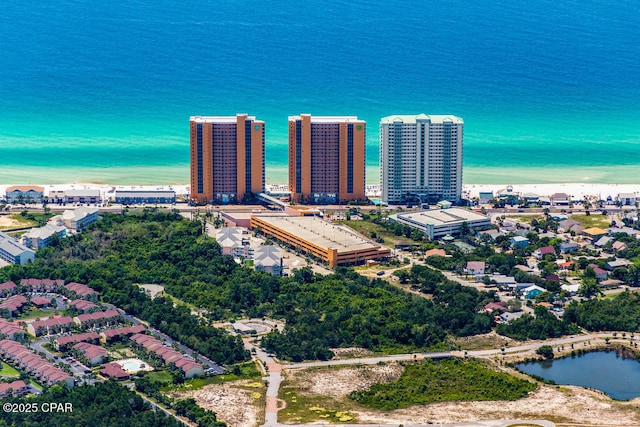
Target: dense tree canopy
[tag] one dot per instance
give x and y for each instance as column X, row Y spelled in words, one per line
column 105, row 404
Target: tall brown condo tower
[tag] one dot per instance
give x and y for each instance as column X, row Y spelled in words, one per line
column 326, row 159
column 227, row 158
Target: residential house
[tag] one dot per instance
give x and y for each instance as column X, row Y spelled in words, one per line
column 485, row 197
column 115, row 371
column 626, row 230
column 7, row 289
column 544, row 250
column 599, row 272
column 15, row 388
column 435, row 252
column 94, row 354
column 12, row 305
column 83, row 306
column 25, row 359
column 98, row 318
column 519, row 242
column 50, row 326
column 532, row 292
column 475, row 268
column 41, row 302
column 560, row 199
column 627, row 199
column 594, row 233
column 495, row 306
column 268, row 258
column 618, row 246
column 11, row 330
column 111, row 335
column 168, row 355
column 618, row 262
column 568, row 247
column 565, row 226
column 61, row 343
column 81, row 291
column 603, row 241
column 25, row 194
column 80, row 218
column 41, row 237
column 233, row 242
column 492, row 233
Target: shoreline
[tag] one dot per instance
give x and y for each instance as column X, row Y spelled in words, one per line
column 577, row 191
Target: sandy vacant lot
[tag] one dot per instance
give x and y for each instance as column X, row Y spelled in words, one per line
column 559, row 404
column 7, row 222
column 237, row 403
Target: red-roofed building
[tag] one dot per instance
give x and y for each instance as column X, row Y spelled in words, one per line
column 61, row 343
column 50, row 326
column 11, row 330
column 12, row 305
column 40, row 301
column 7, row 289
column 25, row 359
column 78, row 290
column 111, row 335
column 15, row 388
column 97, row 318
column 113, row 370
column 169, row 355
column 83, row 305
column 93, row 353
column 545, row 250
column 475, row 268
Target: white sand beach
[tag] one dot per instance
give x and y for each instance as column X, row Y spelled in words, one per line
column 577, row 191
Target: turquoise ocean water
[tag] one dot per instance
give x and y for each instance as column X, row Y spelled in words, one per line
column 102, row 91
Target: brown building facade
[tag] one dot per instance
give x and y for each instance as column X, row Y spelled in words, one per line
column 326, row 159
column 227, row 158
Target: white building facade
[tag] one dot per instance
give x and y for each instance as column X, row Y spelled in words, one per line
column 421, row 158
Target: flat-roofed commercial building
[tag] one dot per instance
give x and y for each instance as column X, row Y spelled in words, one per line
column 421, row 158
column 331, row 243
column 227, row 158
column 142, row 195
column 326, row 158
column 437, row 223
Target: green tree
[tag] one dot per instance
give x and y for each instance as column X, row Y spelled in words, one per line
column 589, row 288
column 545, row 351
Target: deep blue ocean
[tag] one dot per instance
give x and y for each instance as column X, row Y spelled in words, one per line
column 102, row 91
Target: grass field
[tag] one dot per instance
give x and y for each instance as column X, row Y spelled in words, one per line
column 8, row 371
column 33, row 313
column 600, row 221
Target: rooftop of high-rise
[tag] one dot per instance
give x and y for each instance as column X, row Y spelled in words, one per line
column 414, row 118
column 221, row 119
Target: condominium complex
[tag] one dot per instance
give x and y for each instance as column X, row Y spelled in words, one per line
column 326, row 159
column 421, row 158
column 227, row 158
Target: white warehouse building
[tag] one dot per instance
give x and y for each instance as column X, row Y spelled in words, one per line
column 437, row 223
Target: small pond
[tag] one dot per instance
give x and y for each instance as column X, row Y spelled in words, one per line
column 606, row 371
